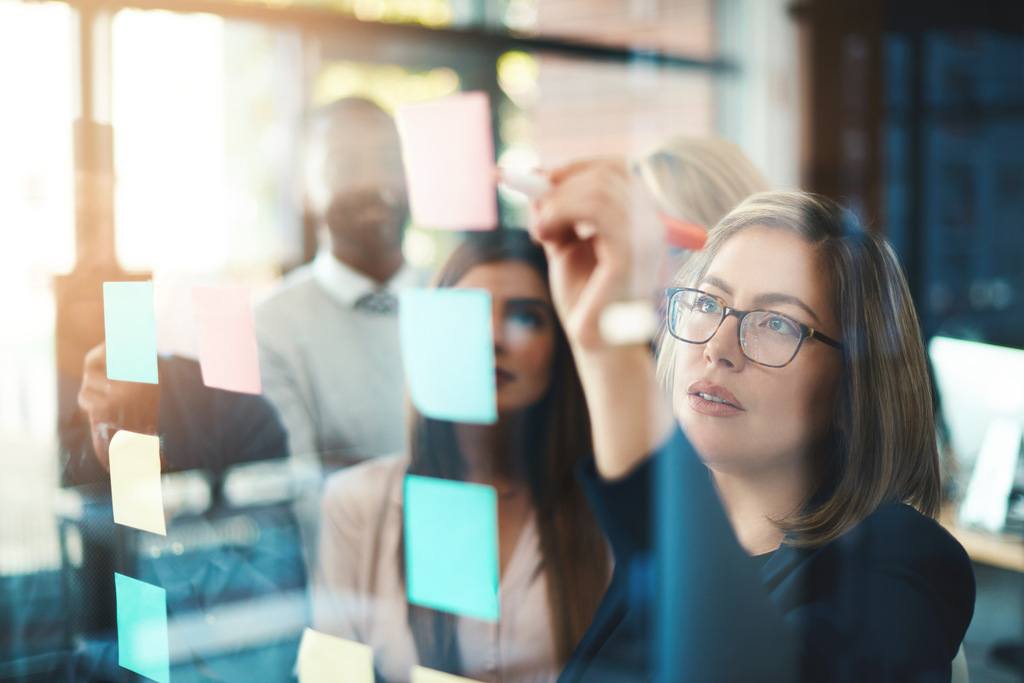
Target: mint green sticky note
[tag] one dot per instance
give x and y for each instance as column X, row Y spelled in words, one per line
column 448, row 353
column 142, row 628
column 451, row 546
column 130, row 327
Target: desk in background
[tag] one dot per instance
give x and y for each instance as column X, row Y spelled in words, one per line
column 997, row 550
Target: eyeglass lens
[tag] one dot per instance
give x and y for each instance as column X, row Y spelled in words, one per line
column 765, row 337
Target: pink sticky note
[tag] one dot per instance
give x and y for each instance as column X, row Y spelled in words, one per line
column 228, row 355
column 448, row 153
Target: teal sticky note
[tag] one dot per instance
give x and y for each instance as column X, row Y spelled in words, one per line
column 451, row 546
column 448, row 353
column 142, row 628
column 129, row 322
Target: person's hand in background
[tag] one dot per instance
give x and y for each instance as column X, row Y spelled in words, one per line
column 110, row 405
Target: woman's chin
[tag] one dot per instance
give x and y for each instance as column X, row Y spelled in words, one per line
column 714, row 446
column 510, row 409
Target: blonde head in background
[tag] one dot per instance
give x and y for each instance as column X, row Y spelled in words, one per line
column 699, row 179
column 695, row 180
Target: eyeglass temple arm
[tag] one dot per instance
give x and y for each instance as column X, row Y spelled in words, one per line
column 811, row 332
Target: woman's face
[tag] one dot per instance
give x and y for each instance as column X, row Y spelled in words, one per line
column 779, row 413
column 523, row 324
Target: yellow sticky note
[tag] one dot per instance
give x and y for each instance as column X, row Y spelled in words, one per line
column 329, row 659
column 421, row 674
column 135, row 481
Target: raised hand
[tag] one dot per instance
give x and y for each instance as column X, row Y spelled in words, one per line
column 111, row 405
column 603, row 243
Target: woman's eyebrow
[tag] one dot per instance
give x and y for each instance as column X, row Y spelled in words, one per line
column 716, row 282
column 778, row 298
column 767, row 299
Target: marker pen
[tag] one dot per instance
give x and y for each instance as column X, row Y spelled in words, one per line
column 534, row 185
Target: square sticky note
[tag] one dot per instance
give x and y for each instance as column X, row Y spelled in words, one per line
column 421, row 674
column 135, row 491
column 142, row 628
column 129, row 323
column 451, row 546
column 228, row 355
column 448, row 352
column 329, row 659
column 448, row 153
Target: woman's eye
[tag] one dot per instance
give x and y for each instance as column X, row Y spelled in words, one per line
column 528, row 319
column 780, row 325
column 705, row 304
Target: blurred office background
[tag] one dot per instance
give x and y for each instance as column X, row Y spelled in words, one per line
column 162, row 138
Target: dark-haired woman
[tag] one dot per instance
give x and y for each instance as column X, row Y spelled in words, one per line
column 554, row 561
column 807, row 479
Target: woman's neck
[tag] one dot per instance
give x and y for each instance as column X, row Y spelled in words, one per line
column 753, row 500
column 494, row 454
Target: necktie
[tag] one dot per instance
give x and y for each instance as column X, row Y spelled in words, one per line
column 380, row 302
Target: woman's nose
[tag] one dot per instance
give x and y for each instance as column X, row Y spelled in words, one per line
column 724, row 347
column 498, row 332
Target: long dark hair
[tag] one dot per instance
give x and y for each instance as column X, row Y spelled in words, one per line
column 557, row 435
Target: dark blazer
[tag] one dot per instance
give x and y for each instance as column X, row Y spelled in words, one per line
column 200, row 428
column 889, row 600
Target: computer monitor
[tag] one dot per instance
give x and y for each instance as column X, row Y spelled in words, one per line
column 978, row 383
column 982, row 396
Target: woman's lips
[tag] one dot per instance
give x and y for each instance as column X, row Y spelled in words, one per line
column 502, row 376
column 708, row 398
column 712, row 408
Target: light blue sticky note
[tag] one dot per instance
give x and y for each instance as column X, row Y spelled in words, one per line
column 448, row 352
column 142, row 628
column 130, row 324
column 451, row 546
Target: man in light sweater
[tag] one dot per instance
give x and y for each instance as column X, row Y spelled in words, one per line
column 328, row 335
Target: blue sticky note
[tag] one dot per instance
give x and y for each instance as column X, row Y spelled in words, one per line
column 130, row 327
column 451, row 546
column 448, row 353
column 142, row 628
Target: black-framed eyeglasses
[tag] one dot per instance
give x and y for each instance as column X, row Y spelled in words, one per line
column 766, row 337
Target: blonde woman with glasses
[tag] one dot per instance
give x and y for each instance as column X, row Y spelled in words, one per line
column 799, row 428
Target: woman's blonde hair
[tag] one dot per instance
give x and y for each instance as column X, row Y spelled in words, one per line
column 881, row 447
column 699, row 179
